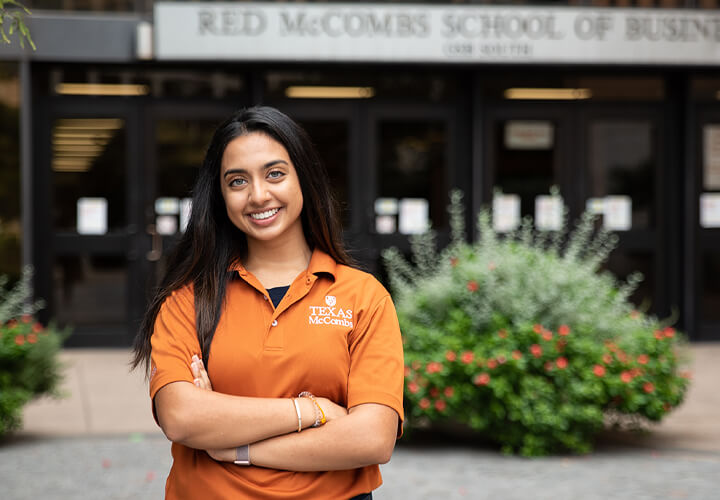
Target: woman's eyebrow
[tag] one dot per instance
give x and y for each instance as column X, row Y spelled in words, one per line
column 243, row 171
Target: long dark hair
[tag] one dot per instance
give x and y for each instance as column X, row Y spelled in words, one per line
column 211, row 243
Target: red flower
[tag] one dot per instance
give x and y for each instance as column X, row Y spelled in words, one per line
column 37, row 328
column 502, row 333
column 537, row 328
column 548, row 365
column 481, row 379
column 450, row 356
column 561, row 363
column 516, row 354
column 32, row 338
column 599, row 370
column 607, row 359
column 536, row 350
column 449, row 391
column 433, row 367
column 659, row 334
column 12, row 323
column 467, row 357
column 648, row 387
column 19, row 339
column 413, row 387
column 560, row 345
column 547, row 335
column 440, row 405
column 501, row 359
column 416, row 365
column 669, row 332
column 424, row 403
column 563, row 330
column 492, row 364
column 643, row 359
column 472, row 286
column 453, row 261
column 26, row 318
column 626, row 377
column 622, row 356
column 407, row 371
column 434, row 392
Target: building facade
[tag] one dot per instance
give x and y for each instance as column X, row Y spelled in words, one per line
column 616, row 105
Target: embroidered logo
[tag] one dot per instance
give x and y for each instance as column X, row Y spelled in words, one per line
column 330, row 315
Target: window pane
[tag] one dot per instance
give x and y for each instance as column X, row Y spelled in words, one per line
column 525, row 160
column 710, row 291
column 88, row 161
column 412, row 164
column 9, row 171
column 622, row 162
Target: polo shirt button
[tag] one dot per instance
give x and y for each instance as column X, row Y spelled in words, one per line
column 274, row 323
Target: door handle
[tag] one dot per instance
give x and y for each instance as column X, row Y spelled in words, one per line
column 155, row 252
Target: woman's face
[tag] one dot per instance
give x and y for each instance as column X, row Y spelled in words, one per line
column 261, row 188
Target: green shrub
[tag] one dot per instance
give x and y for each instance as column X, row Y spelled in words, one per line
column 522, row 338
column 28, row 354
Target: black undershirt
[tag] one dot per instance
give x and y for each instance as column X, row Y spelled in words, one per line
column 277, row 294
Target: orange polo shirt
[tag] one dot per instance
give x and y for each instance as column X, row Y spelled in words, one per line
column 335, row 334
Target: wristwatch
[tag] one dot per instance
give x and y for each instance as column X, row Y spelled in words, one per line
column 243, row 455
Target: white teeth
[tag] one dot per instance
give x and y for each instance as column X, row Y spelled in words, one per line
column 265, row 215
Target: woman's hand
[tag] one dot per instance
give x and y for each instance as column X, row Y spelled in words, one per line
column 331, row 410
column 202, row 380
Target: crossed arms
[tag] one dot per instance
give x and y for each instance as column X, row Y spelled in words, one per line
column 198, row 417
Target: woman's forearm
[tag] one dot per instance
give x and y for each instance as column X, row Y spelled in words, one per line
column 205, row 419
column 365, row 437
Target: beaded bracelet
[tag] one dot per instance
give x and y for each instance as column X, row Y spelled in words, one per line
column 319, row 413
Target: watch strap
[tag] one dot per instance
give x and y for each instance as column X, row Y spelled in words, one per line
column 242, row 454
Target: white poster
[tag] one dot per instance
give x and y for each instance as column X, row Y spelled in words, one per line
column 711, row 157
column 618, row 213
column 414, row 215
column 385, row 224
column 506, row 212
column 548, row 213
column 167, row 206
column 166, row 225
column 710, row 210
column 92, row 215
column 529, row 135
column 386, row 206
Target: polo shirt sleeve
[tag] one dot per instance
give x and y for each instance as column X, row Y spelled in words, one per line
column 174, row 341
column 376, row 359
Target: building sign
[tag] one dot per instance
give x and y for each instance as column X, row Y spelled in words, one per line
column 434, row 33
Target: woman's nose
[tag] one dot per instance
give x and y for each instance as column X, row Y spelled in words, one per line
column 259, row 193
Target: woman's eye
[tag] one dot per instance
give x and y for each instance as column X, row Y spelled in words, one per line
column 237, row 182
column 275, row 174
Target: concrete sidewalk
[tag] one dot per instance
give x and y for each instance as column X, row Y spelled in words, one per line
column 105, row 398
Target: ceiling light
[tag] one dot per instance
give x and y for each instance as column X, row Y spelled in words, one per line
column 547, row 94
column 109, row 89
column 319, row 92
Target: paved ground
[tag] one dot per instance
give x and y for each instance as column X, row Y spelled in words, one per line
column 100, row 443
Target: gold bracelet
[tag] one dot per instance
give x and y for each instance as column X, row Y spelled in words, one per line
column 297, row 410
column 319, row 413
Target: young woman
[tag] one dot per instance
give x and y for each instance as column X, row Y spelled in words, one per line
column 276, row 368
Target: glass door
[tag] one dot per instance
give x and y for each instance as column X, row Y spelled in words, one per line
column 86, row 220
column 704, row 222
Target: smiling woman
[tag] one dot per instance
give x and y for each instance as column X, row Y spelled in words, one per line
column 266, row 349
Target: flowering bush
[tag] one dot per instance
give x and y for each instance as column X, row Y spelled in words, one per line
column 28, row 354
column 522, row 339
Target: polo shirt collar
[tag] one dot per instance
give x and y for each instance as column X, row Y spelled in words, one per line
column 320, row 263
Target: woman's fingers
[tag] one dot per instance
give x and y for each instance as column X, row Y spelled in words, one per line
column 201, row 377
